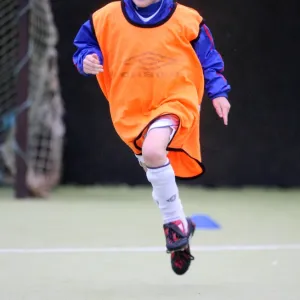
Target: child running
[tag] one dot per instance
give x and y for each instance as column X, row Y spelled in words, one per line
column 153, row 60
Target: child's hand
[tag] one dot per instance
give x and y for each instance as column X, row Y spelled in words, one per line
column 91, row 65
column 222, row 107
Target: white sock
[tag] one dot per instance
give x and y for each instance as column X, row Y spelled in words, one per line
column 165, row 194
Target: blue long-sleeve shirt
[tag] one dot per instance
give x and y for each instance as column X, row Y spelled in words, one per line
column 212, row 63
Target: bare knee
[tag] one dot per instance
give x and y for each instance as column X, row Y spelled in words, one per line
column 154, row 147
column 154, row 157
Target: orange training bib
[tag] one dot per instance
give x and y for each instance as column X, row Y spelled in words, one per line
column 150, row 72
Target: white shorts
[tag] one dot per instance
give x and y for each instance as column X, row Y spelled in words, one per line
column 164, row 121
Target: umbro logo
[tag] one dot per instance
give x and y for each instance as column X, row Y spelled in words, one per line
column 149, row 61
column 172, row 199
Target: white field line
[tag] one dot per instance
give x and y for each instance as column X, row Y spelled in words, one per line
column 221, row 248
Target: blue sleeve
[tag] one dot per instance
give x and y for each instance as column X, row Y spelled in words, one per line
column 86, row 43
column 213, row 65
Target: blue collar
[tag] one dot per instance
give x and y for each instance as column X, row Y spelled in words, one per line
column 149, row 10
column 167, row 8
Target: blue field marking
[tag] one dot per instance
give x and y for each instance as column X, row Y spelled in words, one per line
column 205, row 222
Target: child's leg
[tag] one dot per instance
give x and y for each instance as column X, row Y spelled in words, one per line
column 161, row 175
column 177, row 228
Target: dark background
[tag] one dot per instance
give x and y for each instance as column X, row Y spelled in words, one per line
column 258, row 41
